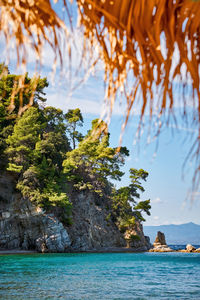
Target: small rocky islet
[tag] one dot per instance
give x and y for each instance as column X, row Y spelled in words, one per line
column 160, row 245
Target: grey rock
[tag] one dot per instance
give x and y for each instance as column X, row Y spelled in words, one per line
column 148, row 243
column 190, row 248
column 23, row 226
column 90, row 229
column 5, row 214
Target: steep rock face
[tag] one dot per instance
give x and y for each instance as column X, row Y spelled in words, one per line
column 91, row 229
column 23, row 226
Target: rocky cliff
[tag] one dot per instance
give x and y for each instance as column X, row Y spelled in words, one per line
column 24, row 226
column 91, row 229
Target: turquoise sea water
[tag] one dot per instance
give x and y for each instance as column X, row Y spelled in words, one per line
column 100, row 276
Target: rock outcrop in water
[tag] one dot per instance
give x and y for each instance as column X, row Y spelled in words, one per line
column 160, row 244
column 190, row 249
column 160, row 240
column 23, row 226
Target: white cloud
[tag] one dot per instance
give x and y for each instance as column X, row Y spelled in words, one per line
column 129, row 158
column 166, row 223
column 186, row 129
column 177, row 222
column 157, row 200
column 156, row 218
column 195, row 194
column 174, row 222
column 87, row 105
column 63, row 102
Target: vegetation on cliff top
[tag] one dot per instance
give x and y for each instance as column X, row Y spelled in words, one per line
column 51, row 158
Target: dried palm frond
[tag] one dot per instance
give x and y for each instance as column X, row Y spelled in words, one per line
column 144, row 45
column 149, row 48
column 130, row 34
column 26, row 26
column 30, row 23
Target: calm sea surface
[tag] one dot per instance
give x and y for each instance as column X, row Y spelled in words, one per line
column 100, row 276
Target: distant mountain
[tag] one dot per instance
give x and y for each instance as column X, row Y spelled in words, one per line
column 188, row 233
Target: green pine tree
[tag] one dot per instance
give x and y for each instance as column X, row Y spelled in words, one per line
column 125, row 200
column 21, row 143
column 74, row 119
column 93, row 162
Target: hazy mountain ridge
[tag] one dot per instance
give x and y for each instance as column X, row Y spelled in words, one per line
column 176, row 234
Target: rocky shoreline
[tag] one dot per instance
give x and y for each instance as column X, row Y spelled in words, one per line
column 171, row 250
column 160, row 245
column 25, row 227
column 103, row 250
column 70, row 250
column 111, row 250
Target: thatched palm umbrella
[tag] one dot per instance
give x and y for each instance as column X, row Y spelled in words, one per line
column 144, row 45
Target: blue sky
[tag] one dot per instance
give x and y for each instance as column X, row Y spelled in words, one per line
column 165, row 186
